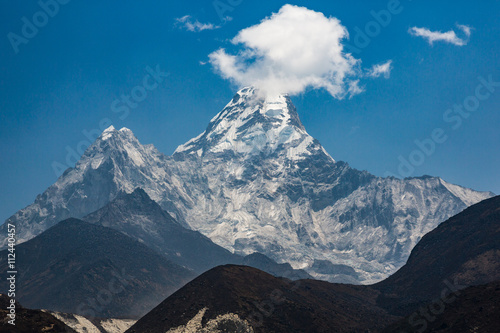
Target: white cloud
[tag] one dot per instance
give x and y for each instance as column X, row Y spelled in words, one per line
column 290, row 51
column 447, row 37
column 381, row 69
column 195, row 26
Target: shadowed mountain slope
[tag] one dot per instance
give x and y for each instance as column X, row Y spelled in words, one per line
column 462, row 251
column 78, row 267
column 141, row 218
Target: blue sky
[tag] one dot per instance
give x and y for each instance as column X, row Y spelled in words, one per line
column 64, row 78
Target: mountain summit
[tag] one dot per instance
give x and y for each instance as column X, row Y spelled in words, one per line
column 253, row 124
column 256, row 181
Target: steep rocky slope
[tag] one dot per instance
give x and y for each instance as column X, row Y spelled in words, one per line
column 77, row 267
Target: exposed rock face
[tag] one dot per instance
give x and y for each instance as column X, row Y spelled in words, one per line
column 228, row 322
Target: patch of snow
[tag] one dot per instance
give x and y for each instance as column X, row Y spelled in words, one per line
column 108, row 132
column 76, row 322
column 468, row 196
column 117, row 325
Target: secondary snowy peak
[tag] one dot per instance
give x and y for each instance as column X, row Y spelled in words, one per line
column 115, row 163
column 253, row 124
column 119, row 145
column 111, row 130
column 118, row 156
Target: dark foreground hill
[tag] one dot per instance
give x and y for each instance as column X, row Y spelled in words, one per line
column 461, row 252
column 78, row 267
column 474, row 309
column 268, row 304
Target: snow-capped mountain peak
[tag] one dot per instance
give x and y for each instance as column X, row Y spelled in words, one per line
column 111, row 130
column 108, row 132
column 252, row 124
column 120, row 145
